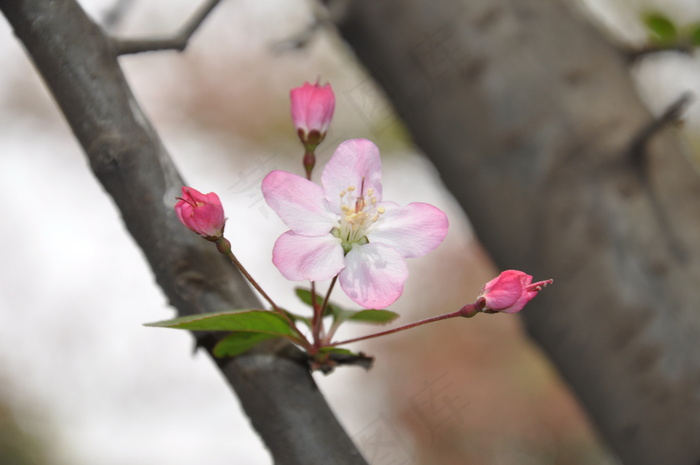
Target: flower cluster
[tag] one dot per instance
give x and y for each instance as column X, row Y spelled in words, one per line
column 340, row 230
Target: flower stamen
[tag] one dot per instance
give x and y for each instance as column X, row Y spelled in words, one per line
column 538, row 286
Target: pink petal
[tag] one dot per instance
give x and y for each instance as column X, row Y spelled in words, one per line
column 508, row 292
column 312, row 106
column 354, row 162
column 300, row 97
column 299, row 202
column 201, row 213
column 320, row 109
column 374, row 275
column 413, row 230
column 302, row 258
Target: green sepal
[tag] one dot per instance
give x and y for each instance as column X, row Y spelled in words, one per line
column 257, row 321
column 239, row 342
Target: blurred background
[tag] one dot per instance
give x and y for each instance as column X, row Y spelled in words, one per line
column 83, row 382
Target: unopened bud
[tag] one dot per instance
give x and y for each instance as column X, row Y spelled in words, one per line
column 509, row 292
column 201, row 213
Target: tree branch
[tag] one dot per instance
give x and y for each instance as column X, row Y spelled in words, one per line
column 635, row 54
column 672, row 114
column 528, row 114
column 79, row 65
column 177, row 42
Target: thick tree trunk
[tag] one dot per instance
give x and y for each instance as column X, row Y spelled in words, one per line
column 533, row 121
column 79, row 65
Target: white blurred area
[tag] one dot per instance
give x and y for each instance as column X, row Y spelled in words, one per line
column 76, row 364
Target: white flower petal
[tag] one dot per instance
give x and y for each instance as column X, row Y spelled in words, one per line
column 355, row 163
column 374, row 275
column 413, row 230
column 298, row 202
column 302, row 258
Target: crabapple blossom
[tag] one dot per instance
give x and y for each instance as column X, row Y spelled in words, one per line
column 509, row 292
column 343, row 228
column 312, row 111
column 201, row 213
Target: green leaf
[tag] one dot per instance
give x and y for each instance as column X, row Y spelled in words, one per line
column 258, row 321
column 366, row 316
column 341, row 315
column 239, row 342
column 695, row 35
column 661, row 28
column 374, row 316
column 305, row 296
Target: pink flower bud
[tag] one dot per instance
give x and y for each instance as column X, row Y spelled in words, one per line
column 201, row 213
column 312, row 111
column 509, row 292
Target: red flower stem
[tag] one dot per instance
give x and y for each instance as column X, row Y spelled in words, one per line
column 224, row 247
column 467, row 311
column 328, row 295
column 309, row 161
column 317, row 321
column 320, row 338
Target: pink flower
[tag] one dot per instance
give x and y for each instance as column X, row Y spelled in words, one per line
column 312, row 111
column 343, row 228
column 201, row 213
column 509, row 292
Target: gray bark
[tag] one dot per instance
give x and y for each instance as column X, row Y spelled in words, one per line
column 532, row 119
column 79, row 65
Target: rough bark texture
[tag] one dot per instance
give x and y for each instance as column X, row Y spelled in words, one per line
column 80, row 68
column 530, row 116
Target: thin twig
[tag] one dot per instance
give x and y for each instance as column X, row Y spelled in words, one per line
column 396, row 330
column 178, row 42
column 224, row 246
column 671, row 115
column 468, row 311
column 636, row 53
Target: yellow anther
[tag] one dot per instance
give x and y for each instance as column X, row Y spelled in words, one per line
column 351, row 188
column 381, row 210
column 373, row 201
column 370, row 191
column 342, row 194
